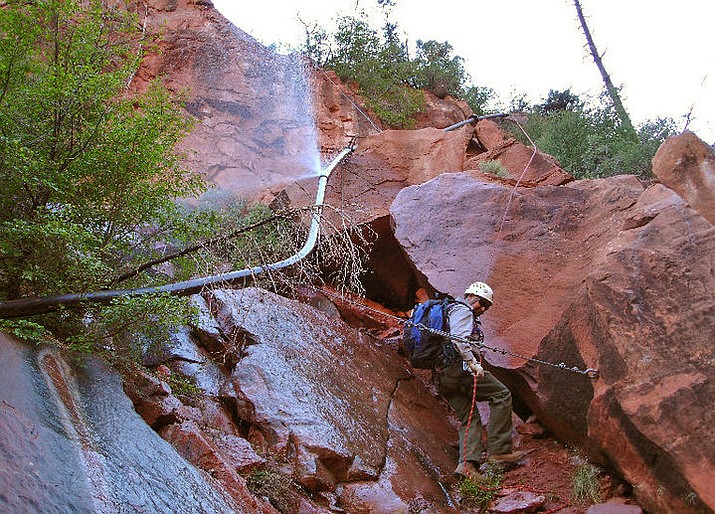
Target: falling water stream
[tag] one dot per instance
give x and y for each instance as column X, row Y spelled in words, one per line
column 288, row 128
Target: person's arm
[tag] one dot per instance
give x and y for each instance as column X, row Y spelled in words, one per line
column 460, row 325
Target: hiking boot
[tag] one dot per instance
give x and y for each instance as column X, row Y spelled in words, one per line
column 467, row 469
column 508, row 458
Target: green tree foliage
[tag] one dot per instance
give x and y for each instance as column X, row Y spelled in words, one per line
column 590, row 142
column 379, row 66
column 438, row 71
column 88, row 174
column 478, row 97
column 557, row 101
column 378, row 61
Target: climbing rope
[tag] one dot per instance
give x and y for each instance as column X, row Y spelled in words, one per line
column 492, row 254
column 516, row 184
column 469, row 419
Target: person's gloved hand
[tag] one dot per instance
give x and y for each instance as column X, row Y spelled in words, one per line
column 475, row 368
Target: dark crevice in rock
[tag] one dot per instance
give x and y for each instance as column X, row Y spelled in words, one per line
column 243, row 426
column 164, row 421
column 474, row 147
column 375, row 186
column 226, row 346
column 568, row 393
column 385, row 450
column 183, row 359
column 391, row 279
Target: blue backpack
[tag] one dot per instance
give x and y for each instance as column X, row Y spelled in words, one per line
column 426, row 349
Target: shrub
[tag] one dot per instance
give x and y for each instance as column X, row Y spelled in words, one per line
column 388, row 79
column 589, row 142
column 379, row 66
column 495, row 168
column 586, row 483
column 480, row 492
column 279, row 489
column 89, row 174
column 437, row 70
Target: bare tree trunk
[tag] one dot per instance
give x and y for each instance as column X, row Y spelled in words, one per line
column 610, row 88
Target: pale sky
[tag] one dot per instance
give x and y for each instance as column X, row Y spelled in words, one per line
column 661, row 53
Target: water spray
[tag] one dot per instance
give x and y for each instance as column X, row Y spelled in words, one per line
column 31, row 306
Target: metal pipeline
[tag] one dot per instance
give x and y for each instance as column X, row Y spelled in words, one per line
column 473, row 119
column 30, row 306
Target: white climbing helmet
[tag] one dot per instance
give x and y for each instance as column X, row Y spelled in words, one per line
column 481, row 290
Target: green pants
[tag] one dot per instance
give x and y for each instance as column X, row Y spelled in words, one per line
column 455, row 385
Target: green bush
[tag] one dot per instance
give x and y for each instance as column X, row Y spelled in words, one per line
column 389, row 80
column 589, row 142
column 437, row 70
column 89, row 175
column 495, row 168
column 279, row 489
column 478, row 97
column 479, row 492
column 379, row 66
column 586, row 483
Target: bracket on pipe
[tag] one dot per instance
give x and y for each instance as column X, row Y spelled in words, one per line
column 42, row 305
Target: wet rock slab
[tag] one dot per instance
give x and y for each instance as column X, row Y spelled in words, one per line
column 71, row 441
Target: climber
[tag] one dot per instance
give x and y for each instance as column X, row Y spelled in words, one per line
column 455, row 384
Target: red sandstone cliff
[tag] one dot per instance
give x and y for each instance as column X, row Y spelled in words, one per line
column 612, row 274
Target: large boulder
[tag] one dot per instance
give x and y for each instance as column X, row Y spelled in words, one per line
column 686, row 164
column 591, row 274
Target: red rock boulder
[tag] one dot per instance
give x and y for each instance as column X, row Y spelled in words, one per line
column 686, row 164
column 603, row 274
